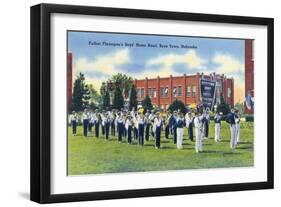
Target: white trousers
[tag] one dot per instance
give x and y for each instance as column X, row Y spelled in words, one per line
column 198, row 141
column 217, row 132
column 233, row 141
column 179, row 137
column 237, row 132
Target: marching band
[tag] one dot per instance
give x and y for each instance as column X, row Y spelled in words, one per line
column 135, row 124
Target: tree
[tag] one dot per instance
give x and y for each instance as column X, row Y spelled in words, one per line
column 178, row 105
column 79, row 95
column 147, row 105
column 93, row 106
column 103, row 88
column 118, row 80
column 133, row 101
column 124, row 82
column 223, row 106
column 118, row 100
column 240, row 107
column 86, row 96
column 106, row 100
column 95, row 97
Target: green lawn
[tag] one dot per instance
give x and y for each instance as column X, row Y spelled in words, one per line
column 96, row 155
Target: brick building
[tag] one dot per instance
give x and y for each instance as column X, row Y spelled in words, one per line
column 249, row 72
column 69, row 81
column 163, row 91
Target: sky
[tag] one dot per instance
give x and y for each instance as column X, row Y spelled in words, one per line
column 100, row 55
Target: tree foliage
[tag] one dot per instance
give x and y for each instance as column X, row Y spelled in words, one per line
column 86, row 96
column 133, row 101
column 118, row 100
column 81, row 94
column 124, row 82
column 178, row 105
column 106, row 100
column 147, row 105
column 118, row 80
column 95, row 97
column 223, row 106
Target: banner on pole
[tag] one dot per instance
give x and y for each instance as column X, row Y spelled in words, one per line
column 208, row 88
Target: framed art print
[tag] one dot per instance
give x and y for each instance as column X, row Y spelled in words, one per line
column 133, row 103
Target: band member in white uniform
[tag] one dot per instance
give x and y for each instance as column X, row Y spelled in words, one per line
column 167, row 125
column 107, row 125
column 147, row 126
column 141, row 122
column 174, row 125
column 157, row 124
column 189, row 124
column 95, row 121
column 198, row 125
column 206, row 123
column 128, row 127
column 90, row 125
column 73, row 120
column 120, row 126
column 102, row 115
column 232, row 125
column 85, row 121
column 151, row 118
column 112, row 123
column 237, row 121
column 217, row 120
column 180, row 125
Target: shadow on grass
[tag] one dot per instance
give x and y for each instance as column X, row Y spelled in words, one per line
column 207, row 144
column 167, row 147
column 231, row 153
column 245, row 147
column 212, row 151
column 149, row 145
column 188, row 148
column 186, row 144
column 219, row 152
column 244, row 142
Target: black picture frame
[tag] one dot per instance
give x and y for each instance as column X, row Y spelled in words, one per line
column 41, row 102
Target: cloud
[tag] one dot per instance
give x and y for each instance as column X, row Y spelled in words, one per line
column 190, row 58
column 103, row 63
column 228, row 64
column 173, row 64
column 231, row 67
column 102, row 66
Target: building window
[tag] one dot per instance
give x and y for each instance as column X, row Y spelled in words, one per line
column 149, row 92
column 175, row 92
column 142, row 93
column 138, row 93
column 154, row 93
column 188, row 91
column 164, row 91
column 179, row 91
column 193, row 90
column 228, row 92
